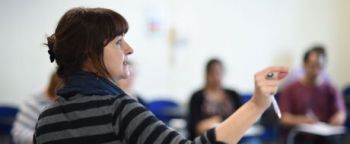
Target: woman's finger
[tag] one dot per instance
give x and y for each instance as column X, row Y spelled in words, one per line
column 277, row 73
column 268, row 83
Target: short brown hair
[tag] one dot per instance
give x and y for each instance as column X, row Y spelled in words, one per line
column 81, row 35
column 318, row 49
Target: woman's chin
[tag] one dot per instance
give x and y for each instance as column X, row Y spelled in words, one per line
column 125, row 75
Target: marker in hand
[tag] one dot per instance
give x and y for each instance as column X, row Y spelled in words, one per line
column 270, row 76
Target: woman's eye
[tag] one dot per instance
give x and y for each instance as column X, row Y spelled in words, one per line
column 119, row 42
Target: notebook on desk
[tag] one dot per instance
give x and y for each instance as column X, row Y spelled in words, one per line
column 321, row 128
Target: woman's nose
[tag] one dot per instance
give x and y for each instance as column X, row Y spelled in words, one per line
column 128, row 49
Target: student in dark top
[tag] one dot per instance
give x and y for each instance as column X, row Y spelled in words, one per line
column 91, row 53
column 212, row 104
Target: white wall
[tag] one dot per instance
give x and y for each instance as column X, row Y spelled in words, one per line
column 246, row 35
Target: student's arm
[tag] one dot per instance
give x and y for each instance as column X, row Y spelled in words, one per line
column 208, row 123
column 339, row 116
column 23, row 127
column 293, row 120
column 197, row 123
column 21, row 133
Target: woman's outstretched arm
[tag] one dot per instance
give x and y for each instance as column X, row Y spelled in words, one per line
column 135, row 124
column 234, row 127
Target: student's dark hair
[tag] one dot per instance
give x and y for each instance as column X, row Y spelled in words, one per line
column 319, row 49
column 81, row 35
column 211, row 63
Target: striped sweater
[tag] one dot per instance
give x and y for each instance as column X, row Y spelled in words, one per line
column 92, row 109
column 24, row 125
column 106, row 119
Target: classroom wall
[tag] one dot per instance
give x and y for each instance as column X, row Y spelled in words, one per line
column 246, row 35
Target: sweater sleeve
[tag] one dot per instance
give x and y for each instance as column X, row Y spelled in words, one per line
column 195, row 114
column 134, row 124
column 24, row 125
column 235, row 98
column 337, row 99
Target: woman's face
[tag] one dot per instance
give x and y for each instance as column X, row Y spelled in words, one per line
column 215, row 74
column 115, row 57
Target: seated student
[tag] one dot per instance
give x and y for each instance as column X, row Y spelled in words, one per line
column 127, row 85
column 24, row 125
column 312, row 98
column 212, row 104
column 91, row 53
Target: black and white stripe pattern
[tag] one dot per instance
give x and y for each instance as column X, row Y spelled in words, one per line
column 106, row 119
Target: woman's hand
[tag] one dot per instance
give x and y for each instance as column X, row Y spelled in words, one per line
column 234, row 127
column 265, row 88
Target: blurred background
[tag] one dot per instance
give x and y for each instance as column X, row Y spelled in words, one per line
column 173, row 39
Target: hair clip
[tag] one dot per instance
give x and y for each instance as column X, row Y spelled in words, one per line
column 52, row 55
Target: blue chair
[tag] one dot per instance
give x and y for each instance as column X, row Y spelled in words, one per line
column 245, row 97
column 346, row 91
column 7, row 117
column 165, row 110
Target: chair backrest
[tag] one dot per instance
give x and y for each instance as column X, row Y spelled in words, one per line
column 245, row 97
column 164, row 109
column 7, row 117
column 346, row 91
column 346, row 94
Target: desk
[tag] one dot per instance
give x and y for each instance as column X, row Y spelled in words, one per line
column 321, row 129
column 252, row 135
column 255, row 130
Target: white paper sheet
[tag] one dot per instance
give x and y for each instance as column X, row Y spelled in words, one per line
column 321, row 128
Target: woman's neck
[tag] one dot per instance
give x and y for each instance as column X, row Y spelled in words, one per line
column 213, row 87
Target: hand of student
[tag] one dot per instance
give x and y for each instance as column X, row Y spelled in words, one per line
column 338, row 118
column 208, row 123
column 309, row 119
column 295, row 120
column 264, row 88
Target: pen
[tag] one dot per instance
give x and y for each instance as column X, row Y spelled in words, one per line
column 270, row 76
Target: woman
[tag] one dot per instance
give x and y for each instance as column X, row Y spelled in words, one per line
column 91, row 53
column 212, row 104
